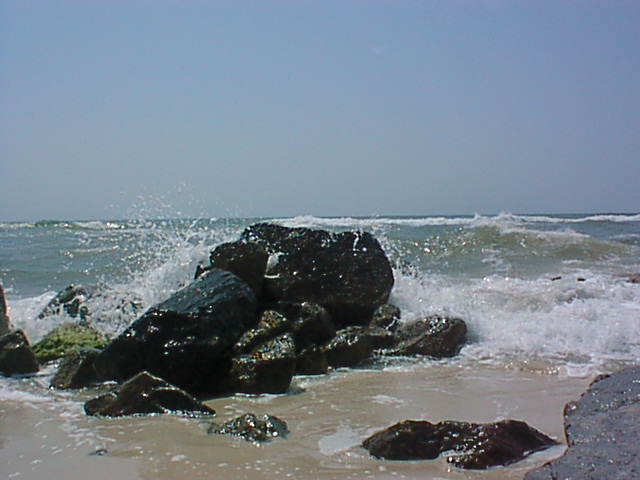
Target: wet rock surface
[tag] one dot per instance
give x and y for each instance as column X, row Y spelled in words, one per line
column 433, row 336
column 146, row 394
column 252, row 428
column 188, row 339
column 467, row 445
column 76, row 370
column 65, row 339
column 602, row 432
column 16, row 355
column 347, row 273
column 5, row 323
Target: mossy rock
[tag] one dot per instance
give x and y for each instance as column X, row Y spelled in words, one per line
column 67, row 338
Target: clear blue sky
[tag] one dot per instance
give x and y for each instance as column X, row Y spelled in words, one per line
column 278, row 108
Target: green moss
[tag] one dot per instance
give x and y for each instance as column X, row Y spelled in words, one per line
column 66, row 338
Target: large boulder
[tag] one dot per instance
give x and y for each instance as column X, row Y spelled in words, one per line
column 246, row 260
column 350, row 347
column 602, row 432
column 145, row 394
column 187, row 339
column 467, row 445
column 434, row 336
column 16, row 355
column 5, row 323
column 310, row 323
column 67, row 338
column 347, row 273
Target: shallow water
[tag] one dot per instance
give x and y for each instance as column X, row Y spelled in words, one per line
column 328, row 418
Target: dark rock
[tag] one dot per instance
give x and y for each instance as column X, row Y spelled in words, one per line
column 252, row 428
column 350, row 347
column 187, row 339
column 5, row 323
column 312, row 361
column 271, row 325
column 468, row 445
column 16, row 355
column 76, row 370
column 386, row 316
column 268, row 369
column 635, row 278
column 246, row 260
column 70, row 301
column 66, row 338
column 347, row 273
column 382, row 338
column 433, row 336
column 310, row 323
column 145, row 394
column 602, row 432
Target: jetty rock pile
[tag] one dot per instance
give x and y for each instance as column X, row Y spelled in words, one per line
column 277, row 302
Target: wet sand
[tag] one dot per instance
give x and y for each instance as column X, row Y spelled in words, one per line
column 328, row 418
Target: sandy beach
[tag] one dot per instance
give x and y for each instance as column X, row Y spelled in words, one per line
column 328, row 418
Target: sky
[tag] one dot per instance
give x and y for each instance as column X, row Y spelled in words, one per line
column 112, row 109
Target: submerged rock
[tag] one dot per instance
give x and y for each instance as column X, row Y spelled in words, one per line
column 434, row 336
column 187, row 339
column 145, row 394
column 347, row 273
column 252, row 428
column 16, row 355
column 602, row 432
column 467, row 445
column 267, row 369
column 5, row 323
column 66, row 338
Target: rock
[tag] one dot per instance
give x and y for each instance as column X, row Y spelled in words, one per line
column 16, row 355
column 468, row 445
column 602, row 432
column 70, row 301
column 271, row 325
column 268, row 369
column 386, row 316
column 310, row 323
column 252, row 428
column 187, row 339
column 66, row 338
column 350, row 347
column 247, row 261
column 145, row 394
column 312, row 361
column 634, row 278
column 76, row 370
column 433, row 336
column 347, row 273
column 5, row 323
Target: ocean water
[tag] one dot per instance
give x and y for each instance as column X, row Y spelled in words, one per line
column 546, row 296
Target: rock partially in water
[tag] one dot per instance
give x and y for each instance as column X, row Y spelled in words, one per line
column 386, row 316
column 267, row 369
column 146, row 394
column 602, row 432
column 312, row 361
column 350, row 347
column 252, row 428
column 347, row 273
column 433, row 336
column 187, row 339
column 70, row 301
column 76, row 370
column 16, row 355
column 65, row 339
column 467, row 445
column 5, row 323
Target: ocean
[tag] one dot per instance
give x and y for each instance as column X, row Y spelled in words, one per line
column 547, row 299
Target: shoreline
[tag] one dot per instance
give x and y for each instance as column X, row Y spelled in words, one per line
column 328, row 418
